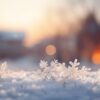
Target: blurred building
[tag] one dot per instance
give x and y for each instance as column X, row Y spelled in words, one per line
column 88, row 43
column 11, row 44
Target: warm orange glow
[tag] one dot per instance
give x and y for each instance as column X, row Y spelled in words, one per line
column 50, row 50
column 96, row 57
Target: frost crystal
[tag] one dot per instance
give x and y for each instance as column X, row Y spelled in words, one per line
column 43, row 64
column 53, row 71
column 75, row 63
column 3, row 67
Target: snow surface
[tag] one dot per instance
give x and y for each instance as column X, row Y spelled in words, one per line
column 50, row 82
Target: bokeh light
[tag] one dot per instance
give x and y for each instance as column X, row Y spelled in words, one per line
column 50, row 50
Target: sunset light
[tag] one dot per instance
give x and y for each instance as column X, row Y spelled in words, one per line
column 39, row 18
column 22, row 15
column 49, row 49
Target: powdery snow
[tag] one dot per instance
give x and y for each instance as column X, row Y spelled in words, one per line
column 50, row 82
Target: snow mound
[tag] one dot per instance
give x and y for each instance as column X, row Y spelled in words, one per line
column 52, row 81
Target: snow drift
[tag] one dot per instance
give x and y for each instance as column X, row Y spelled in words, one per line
column 50, row 82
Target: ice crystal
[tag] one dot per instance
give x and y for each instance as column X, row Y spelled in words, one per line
column 58, row 71
column 75, row 63
column 53, row 71
column 3, row 67
column 43, row 64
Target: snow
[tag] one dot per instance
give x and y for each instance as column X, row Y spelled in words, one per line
column 52, row 81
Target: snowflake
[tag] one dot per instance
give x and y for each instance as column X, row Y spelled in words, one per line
column 55, row 71
column 73, row 70
column 43, row 64
column 3, row 67
column 75, row 63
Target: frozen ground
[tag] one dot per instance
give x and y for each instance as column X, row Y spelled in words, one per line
column 50, row 82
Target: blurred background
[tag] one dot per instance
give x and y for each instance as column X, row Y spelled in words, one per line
column 34, row 30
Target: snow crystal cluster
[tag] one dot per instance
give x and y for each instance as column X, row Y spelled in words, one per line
column 54, row 81
column 55, row 71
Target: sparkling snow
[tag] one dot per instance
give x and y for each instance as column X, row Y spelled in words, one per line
column 50, row 82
